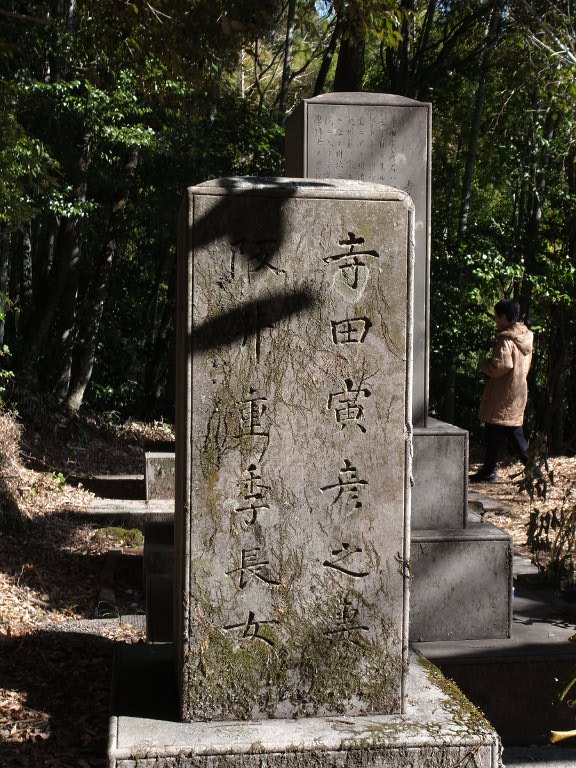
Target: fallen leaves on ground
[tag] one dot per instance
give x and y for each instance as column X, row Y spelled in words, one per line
column 54, row 706
column 508, row 489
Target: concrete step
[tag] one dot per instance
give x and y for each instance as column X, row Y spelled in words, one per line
column 130, row 513
column 549, row 756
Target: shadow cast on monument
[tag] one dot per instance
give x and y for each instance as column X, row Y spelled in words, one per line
column 216, row 224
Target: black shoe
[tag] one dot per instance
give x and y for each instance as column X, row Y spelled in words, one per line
column 483, row 477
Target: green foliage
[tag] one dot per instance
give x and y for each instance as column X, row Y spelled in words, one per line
column 191, row 89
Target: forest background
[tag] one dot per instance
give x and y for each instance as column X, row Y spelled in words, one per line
column 109, row 109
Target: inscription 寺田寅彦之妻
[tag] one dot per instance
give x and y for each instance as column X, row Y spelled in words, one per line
column 353, row 269
column 346, row 629
column 350, row 330
column 339, row 557
column 252, row 565
column 348, row 486
column 346, row 407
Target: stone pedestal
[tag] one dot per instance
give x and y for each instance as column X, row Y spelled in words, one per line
column 440, row 473
column 159, row 471
column 462, row 583
column 439, row 728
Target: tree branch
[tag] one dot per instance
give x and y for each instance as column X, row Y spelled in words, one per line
column 24, row 17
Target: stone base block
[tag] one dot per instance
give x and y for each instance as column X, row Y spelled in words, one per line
column 440, row 472
column 159, row 475
column 517, row 682
column 439, row 728
column 159, row 608
column 159, row 547
column 461, row 583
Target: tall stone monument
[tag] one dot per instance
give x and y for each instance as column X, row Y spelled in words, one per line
column 376, row 138
column 387, row 139
column 293, row 446
column 296, row 470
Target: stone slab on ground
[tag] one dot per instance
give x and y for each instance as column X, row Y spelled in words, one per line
column 549, row 756
column 132, row 513
column 439, row 728
column 97, row 626
column 486, row 506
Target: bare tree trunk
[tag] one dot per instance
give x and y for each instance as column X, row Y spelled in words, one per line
column 26, row 290
column 85, row 353
column 4, row 282
column 66, row 258
column 478, row 111
column 421, row 47
column 156, row 375
column 320, row 83
column 536, row 204
column 287, row 67
column 479, row 102
column 350, row 65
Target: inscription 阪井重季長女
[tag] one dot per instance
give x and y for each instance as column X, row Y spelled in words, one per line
column 253, row 565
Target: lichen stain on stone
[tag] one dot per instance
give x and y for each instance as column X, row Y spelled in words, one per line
column 297, row 670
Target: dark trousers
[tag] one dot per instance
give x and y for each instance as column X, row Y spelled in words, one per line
column 494, row 436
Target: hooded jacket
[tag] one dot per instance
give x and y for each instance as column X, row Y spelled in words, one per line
column 506, row 390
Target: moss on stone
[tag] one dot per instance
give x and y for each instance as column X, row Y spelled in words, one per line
column 128, row 537
column 460, row 708
column 292, row 668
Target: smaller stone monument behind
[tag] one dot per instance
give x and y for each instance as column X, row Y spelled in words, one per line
column 292, row 506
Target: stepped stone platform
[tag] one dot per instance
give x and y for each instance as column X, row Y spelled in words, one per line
column 121, row 498
column 438, row 728
column 516, row 681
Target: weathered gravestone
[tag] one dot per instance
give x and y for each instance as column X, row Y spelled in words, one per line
column 295, row 473
column 293, row 498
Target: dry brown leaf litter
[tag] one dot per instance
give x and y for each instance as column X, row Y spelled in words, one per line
column 561, row 485
column 54, row 703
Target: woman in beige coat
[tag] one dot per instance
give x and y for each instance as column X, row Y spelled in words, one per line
column 506, row 391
